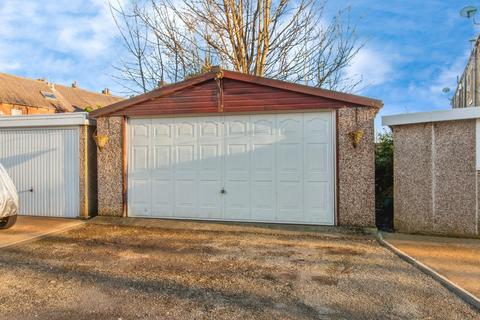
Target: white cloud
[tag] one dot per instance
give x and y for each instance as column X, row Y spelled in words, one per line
column 371, row 65
column 88, row 35
column 429, row 95
column 9, row 67
column 61, row 40
column 83, row 28
column 447, row 77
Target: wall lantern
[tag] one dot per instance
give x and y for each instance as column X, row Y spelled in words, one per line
column 356, row 136
column 101, row 140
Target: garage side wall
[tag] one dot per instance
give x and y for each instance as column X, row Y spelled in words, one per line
column 92, row 172
column 413, row 167
column 435, row 178
column 110, row 202
column 356, row 168
column 83, row 172
column 88, row 172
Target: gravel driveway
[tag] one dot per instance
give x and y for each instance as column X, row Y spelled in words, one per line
column 113, row 272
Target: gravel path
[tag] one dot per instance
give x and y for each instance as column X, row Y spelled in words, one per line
column 111, row 272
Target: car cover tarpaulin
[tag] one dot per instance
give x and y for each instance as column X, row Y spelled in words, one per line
column 8, row 195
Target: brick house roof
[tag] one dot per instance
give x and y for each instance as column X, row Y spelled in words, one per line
column 42, row 94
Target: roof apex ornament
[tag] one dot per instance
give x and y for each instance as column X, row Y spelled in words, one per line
column 219, row 73
column 218, row 79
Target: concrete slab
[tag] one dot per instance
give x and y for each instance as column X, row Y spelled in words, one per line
column 31, row 228
column 222, row 226
column 456, row 259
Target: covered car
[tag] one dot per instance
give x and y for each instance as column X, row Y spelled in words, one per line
column 8, row 200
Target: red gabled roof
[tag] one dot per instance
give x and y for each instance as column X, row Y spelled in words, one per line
column 217, row 72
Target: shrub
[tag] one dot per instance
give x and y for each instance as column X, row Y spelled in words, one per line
column 384, row 180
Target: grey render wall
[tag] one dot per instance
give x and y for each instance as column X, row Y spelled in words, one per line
column 435, row 178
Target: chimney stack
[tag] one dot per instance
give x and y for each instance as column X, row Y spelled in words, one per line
column 74, row 84
column 106, row 91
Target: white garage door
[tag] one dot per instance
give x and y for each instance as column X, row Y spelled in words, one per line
column 44, row 165
column 263, row 168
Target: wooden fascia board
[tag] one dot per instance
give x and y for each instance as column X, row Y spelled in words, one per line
column 151, row 95
column 347, row 99
column 319, row 92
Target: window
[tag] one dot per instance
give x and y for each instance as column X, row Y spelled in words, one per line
column 16, row 112
column 468, row 87
column 49, row 95
column 472, row 87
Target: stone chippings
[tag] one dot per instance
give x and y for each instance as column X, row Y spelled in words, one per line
column 435, row 178
column 110, row 167
column 121, row 272
column 356, row 168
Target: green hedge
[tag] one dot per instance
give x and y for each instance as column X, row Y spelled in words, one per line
column 384, row 180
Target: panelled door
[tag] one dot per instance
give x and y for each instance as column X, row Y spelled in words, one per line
column 264, row 168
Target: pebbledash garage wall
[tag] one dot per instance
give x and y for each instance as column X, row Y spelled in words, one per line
column 354, row 168
column 436, row 171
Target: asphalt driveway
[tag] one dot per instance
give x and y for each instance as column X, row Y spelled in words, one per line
column 228, row 272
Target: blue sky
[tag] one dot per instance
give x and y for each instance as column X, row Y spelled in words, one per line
column 413, row 48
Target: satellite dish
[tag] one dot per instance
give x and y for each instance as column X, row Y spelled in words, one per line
column 468, row 12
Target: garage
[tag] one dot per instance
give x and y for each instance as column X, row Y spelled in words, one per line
column 47, row 158
column 433, row 194
column 271, row 168
column 233, row 147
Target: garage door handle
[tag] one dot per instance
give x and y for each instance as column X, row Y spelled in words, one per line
column 223, row 191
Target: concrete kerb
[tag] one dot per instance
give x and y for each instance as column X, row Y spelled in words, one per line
column 459, row 291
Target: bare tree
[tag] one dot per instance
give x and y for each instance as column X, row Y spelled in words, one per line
column 169, row 40
column 134, row 35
